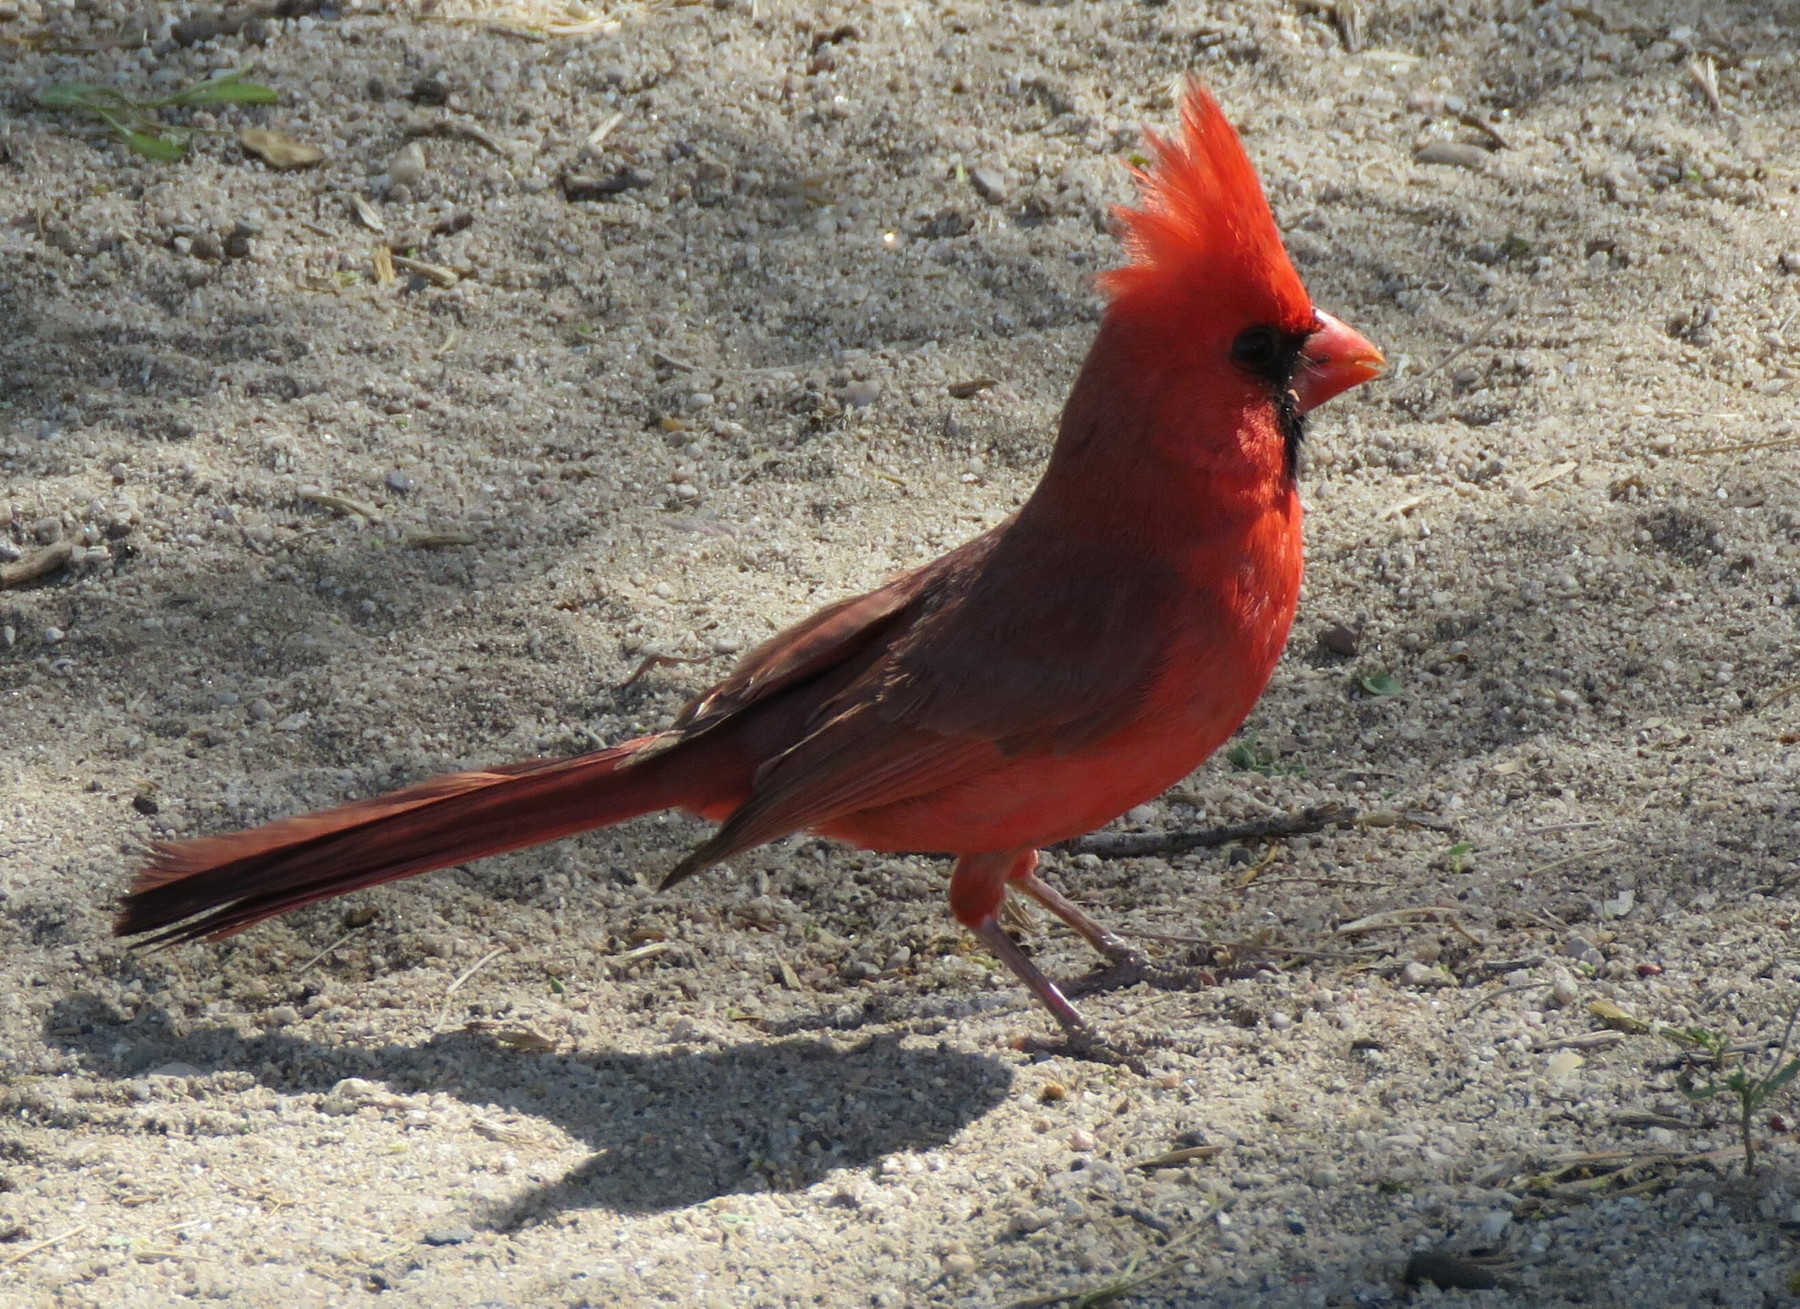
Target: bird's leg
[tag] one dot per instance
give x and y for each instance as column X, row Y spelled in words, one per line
column 977, row 889
column 1095, row 933
column 1129, row 964
column 1007, row 951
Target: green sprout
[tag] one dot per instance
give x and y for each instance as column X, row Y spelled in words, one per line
column 1253, row 756
column 1752, row 1092
column 135, row 122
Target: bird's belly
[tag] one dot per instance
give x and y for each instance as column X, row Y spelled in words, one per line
column 1040, row 799
column 1211, row 678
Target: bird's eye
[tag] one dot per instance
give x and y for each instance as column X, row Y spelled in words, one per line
column 1256, row 348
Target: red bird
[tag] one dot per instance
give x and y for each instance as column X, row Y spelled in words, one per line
column 1029, row 686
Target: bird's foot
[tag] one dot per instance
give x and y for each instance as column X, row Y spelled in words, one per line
column 1131, row 967
column 1089, row 1047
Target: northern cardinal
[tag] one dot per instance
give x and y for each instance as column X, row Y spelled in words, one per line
column 1029, row 686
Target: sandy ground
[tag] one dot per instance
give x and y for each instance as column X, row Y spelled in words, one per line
column 692, row 376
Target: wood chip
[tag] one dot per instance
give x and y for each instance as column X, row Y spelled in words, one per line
column 279, row 151
column 384, row 265
column 436, row 274
column 39, row 563
column 973, row 387
column 366, row 214
column 1453, row 154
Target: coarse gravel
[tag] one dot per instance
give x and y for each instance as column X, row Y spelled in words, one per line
column 703, row 315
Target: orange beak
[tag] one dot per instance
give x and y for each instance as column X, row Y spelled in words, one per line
column 1336, row 358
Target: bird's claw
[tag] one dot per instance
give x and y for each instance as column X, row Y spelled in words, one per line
column 1131, row 967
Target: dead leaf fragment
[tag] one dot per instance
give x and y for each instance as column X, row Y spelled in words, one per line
column 1612, row 1016
column 279, row 151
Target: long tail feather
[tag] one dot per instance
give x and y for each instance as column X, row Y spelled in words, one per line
column 215, row 886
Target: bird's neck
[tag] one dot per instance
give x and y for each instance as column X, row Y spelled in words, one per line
column 1146, row 452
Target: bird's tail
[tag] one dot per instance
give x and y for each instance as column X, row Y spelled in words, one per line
column 214, row 886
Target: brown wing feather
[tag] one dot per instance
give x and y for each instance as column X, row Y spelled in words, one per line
column 1034, row 643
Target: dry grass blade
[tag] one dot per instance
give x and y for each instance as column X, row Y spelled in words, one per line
column 1390, row 919
column 1124, row 1284
column 342, row 504
column 1480, row 338
column 301, row 971
column 1706, row 77
column 465, row 975
column 1591, row 851
column 1175, row 1158
column 22, row 1255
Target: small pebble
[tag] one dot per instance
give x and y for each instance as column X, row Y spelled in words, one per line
column 1417, row 974
column 959, row 1265
column 53, row 634
column 860, row 394
column 1082, row 1139
column 1562, row 990
column 448, row 1236
column 408, row 164
column 399, row 481
column 989, row 184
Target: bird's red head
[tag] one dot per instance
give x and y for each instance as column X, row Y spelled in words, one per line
column 1210, row 296
column 1204, row 231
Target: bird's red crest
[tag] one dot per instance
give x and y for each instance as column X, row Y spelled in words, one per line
column 1204, row 228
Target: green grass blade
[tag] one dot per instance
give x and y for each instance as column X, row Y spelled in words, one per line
column 154, row 147
column 229, row 90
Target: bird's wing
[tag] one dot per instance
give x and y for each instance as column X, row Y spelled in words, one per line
column 1044, row 646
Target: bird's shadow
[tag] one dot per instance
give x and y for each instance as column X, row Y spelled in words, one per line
column 668, row 1129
